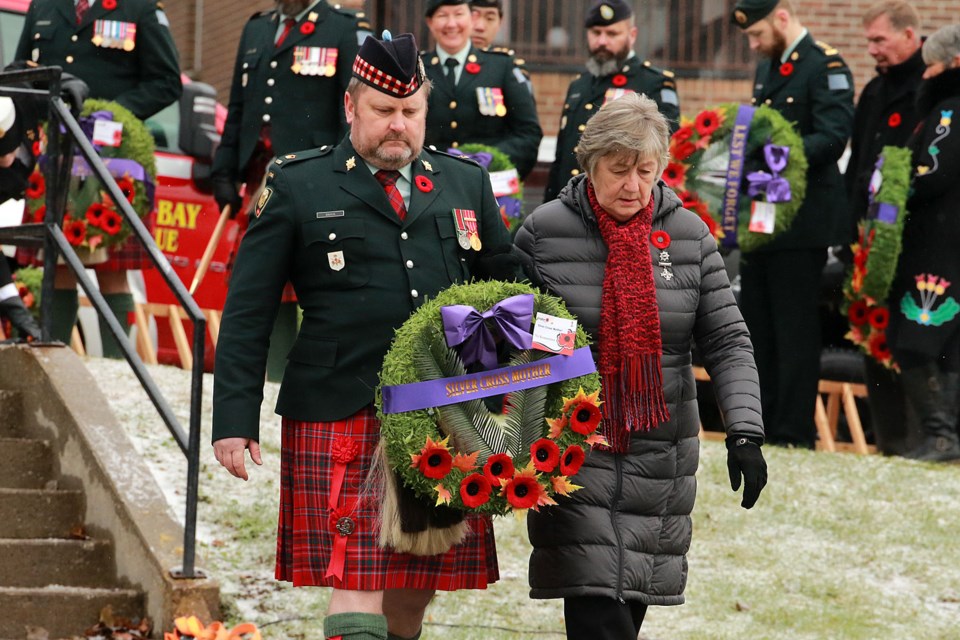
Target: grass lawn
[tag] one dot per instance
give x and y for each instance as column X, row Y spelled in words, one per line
column 838, row 546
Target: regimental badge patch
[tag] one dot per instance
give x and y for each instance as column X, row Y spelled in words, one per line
column 262, row 202
column 336, row 261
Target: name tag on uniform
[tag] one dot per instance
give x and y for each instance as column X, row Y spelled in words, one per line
column 114, row 34
column 490, row 101
column 315, row 61
column 322, row 215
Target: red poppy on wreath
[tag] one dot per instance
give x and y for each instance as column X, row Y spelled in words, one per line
column 858, row 312
column 75, row 230
column 307, row 28
column 545, row 455
column 674, row 174
column 878, row 346
column 36, row 148
column 473, row 67
column 894, row 120
column 571, row 460
column 475, row 490
column 36, row 185
column 585, row 418
column 94, row 214
column 619, row 80
column 879, row 318
column 111, row 222
column 498, row 466
column 660, row 239
column 344, row 449
column 109, row 5
column 682, row 134
column 423, row 183
column 682, row 150
column 127, row 188
column 434, row 460
column 786, row 69
column 706, row 122
column 522, row 491
column 40, row 213
column 566, row 340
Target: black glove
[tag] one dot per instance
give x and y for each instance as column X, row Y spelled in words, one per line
column 744, row 458
column 74, row 91
column 225, row 192
column 21, row 319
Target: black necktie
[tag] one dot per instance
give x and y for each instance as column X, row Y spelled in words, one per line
column 451, row 70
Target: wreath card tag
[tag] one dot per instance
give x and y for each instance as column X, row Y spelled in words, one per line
column 107, row 133
column 554, row 334
column 763, row 215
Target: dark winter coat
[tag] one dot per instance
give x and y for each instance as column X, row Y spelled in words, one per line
column 647, row 494
column 931, row 234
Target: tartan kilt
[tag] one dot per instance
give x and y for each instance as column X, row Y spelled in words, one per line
column 129, row 256
column 307, row 534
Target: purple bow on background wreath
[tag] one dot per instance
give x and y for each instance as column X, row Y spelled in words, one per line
column 482, row 158
column 882, row 211
column 465, row 326
column 776, row 188
column 87, row 123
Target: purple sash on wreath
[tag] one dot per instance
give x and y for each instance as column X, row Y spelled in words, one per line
column 731, row 192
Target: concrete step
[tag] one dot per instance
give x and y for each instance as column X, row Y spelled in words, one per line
column 46, row 561
column 39, row 513
column 62, row 611
column 28, row 464
column 11, row 413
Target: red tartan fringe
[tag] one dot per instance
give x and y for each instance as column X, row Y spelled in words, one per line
column 633, row 400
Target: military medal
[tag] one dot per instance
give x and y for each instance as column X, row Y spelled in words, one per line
column 490, row 101
column 315, row 61
column 113, row 34
column 336, row 261
column 468, row 235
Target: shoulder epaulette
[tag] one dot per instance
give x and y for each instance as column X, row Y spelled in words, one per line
column 456, row 156
column 504, row 51
column 309, row 154
column 663, row 72
column 827, row 49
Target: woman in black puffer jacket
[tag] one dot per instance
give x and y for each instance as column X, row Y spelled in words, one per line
column 644, row 278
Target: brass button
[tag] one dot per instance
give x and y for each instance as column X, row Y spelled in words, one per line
column 455, row 144
column 271, row 82
column 332, row 236
column 273, row 64
column 266, row 117
column 414, row 293
column 581, row 127
column 403, row 235
column 768, row 101
column 453, row 104
column 69, row 59
column 453, row 125
column 789, row 99
column 575, row 172
column 73, row 38
column 588, row 106
column 409, row 264
column 268, row 100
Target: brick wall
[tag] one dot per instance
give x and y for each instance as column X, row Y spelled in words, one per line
column 835, row 22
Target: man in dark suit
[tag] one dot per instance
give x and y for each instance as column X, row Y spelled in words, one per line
column 123, row 51
column 366, row 231
column 886, row 115
column 292, row 68
column 613, row 70
column 479, row 96
column 809, row 83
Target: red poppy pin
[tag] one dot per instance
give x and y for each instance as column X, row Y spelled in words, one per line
column 307, row 28
column 424, row 183
column 660, row 239
column 894, row 120
column 472, row 67
column 109, row 5
column 619, row 80
column 786, row 68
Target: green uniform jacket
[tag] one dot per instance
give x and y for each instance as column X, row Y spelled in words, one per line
column 587, row 93
column 815, row 93
column 144, row 79
column 326, row 225
column 304, row 108
column 454, row 116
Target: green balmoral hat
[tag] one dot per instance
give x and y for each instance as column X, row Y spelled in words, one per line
column 747, row 12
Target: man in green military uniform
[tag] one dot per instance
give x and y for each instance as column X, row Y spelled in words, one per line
column 366, row 231
column 613, row 70
column 123, row 51
column 479, row 97
column 809, row 83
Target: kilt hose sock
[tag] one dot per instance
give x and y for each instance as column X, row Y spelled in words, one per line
column 355, row 626
column 64, row 310
column 121, row 304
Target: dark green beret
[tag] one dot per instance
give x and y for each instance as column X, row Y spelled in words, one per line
column 747, row 12
column 487, row 4
column 606, row 12
column 433, row 5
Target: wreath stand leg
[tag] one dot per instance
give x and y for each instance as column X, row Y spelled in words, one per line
column 409, row 524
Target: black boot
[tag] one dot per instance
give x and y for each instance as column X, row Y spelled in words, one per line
column 934, row 395
column 21, row 319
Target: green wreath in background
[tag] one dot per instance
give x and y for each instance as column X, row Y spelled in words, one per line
column 700, row 159
column 496, row 161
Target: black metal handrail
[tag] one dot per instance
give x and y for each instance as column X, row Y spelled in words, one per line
column 54, row 242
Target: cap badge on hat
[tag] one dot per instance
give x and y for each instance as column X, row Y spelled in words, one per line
column 740, row 16
column 606, row 12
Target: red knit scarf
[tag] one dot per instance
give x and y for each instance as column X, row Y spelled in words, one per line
column 630, row 343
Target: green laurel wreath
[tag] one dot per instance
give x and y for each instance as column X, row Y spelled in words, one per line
column 419, row 352
column 500, row 162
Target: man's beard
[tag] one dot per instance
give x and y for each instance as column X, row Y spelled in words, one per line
column 390, row 160
column 777, row 48
column 291, row 7
column 602, row 63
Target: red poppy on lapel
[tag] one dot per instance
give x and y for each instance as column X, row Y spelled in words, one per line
column 472, row 67
column 423, row 183
column 786, row 68
column 660, row 239
column 307, row 28
column 894, row 120
column 619, row 80
column 109, row 5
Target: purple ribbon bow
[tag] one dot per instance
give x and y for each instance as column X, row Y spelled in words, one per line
column 512, row 207
column 776, row 187
column 482, row 158
column 465, row 326
column 88, row 122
